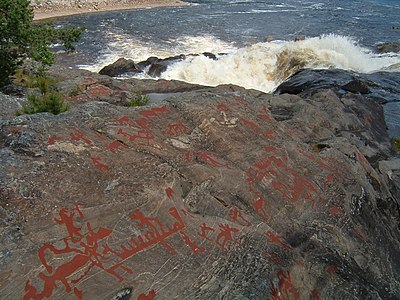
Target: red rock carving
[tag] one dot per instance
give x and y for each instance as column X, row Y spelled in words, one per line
column 269, row 133
column 276, row 239
column 265, row 117
column 367, row 119
column 206, row 157
column 85, row 251
column 237, row 216
column 143, row 135
column 169, row 192
column 335, row 210
column 315, row 295
column 142, row 122
column 272, row 257
column 100, row 136
column 285, row 289
column 360, row 233
column 284, row 179
column 96, row 90
column 204, row 228
column 96, row 160
column 223, row 107
column 89, row 80
column 175, row 129
column 125, row 121
column 225, row 235
column 53, row 140
column 150, row 296
column 77, row 135
column 157, row 234
column 116, row 146
column 194, row 247
column 154, row 112
column 270, row 148
column 259, row 207
column 86, row 255
column 331, row 269
column 249, row 123
column 241, row 102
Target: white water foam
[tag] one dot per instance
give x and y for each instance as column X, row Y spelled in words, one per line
column 263, row 66
column 123, row 45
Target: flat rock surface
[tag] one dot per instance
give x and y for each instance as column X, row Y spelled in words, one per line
column 219, row 193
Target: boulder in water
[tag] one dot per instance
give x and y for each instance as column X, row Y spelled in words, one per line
column 388, row 47
column 121, row 66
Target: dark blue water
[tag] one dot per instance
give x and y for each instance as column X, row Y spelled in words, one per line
column 237, row 22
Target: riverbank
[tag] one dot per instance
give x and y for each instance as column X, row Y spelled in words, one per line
column 67, row 8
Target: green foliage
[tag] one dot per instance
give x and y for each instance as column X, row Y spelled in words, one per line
column 396, row 144
column 75, row 92
column 21, row 39
column 44, row 83
column 139, row 100
column 51, row 102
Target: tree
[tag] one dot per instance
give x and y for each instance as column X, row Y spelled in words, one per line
column 21, row 39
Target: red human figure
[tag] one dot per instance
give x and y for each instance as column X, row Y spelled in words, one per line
column 276, row 239
column 67, row 219
column 226, row 235
column 96, row 160
column 153, row 223
column 194, row 247
column 77, row 135
column 258, row 205
column 150, row 296
column 236, row 215
column 204, row 228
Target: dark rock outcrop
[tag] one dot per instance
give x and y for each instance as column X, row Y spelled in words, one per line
column 219, row 193
column 120, row 67
column 388, row 47
column 382, row 87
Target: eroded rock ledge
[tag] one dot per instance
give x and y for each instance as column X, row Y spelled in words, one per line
column 215, row 193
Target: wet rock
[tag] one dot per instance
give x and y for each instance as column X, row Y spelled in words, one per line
column 356, row 86
column 160, row 65
column 121, row 66
column 210, row 55
column 299, row 38
column 216, row 193
column 388, row 47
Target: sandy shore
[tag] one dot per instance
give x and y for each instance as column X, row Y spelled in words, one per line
column 53, row 11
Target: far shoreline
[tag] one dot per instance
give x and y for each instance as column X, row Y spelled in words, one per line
column 54, row 11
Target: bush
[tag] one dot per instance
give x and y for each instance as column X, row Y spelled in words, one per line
column 52, row 102
column 21, row 39
column 139, row 100
column 395, row 141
